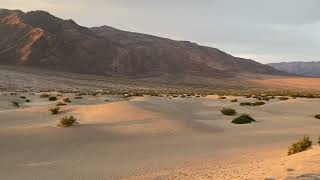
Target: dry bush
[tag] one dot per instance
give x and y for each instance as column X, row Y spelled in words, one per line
column 302, row 145
column 54, row 110
column 68, row 121
column 15, row 104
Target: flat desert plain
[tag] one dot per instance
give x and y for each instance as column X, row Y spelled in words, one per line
column 155, row 138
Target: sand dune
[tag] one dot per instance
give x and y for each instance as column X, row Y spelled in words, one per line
column 154, row 138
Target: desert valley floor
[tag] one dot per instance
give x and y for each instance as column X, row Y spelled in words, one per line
column 155, row 138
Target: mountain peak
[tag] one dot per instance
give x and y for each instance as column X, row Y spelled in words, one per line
column 50, row 42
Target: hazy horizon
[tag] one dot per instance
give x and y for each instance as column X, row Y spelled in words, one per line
column 267, row 32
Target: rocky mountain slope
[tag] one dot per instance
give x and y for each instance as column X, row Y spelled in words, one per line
column 300, row 68
column 40, row 39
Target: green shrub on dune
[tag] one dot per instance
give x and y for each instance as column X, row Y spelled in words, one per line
column 302, row 145
column 228, row 111
column 243, row 119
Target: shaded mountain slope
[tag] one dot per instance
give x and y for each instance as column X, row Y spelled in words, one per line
column 40, row 39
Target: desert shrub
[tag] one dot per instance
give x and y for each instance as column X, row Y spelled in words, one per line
column 234, row 100
column 319, row 140
column 228, row 111
column 12, row 94
column 15, row 104
column 247, row 95
column 61, row 104
column 222, row 97
column 44, row 95
column 66, row 100
column 259, row 103
column 302, row 145
column 283, row 98
column 52, row 98
column 245, row 104
column 68, row 121
column 317, row 116
column 22, row 97
column 54, row 110
column 243, row 119
column 27, row 100
column 78, row 97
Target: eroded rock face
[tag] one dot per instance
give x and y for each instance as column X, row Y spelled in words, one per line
column 39, row 39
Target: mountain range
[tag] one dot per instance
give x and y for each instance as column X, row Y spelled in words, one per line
column 39, row 39
column 311, row 69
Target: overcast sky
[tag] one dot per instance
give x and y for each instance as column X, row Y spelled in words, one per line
column 264, row 30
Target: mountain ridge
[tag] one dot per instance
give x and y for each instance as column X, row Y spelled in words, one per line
column 39, row 39
column 301, row 68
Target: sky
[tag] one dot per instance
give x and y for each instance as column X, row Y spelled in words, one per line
column 264, row 30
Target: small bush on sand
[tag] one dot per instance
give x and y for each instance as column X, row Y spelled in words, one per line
column 44, row 95
column 259, row 103
column 61, row 104
column 222, row 97
column 319, row 140
column 317, row 116
column 52, row 98
column 234, row 100
column 78, row 97
column 28, row 100
column 68, row 121
column 15, row 104
column 66, row 100
column 283, row 98
column 243, row 119
column 228, row 111
column 22, row 97
column 54, row 110
column 302, row 145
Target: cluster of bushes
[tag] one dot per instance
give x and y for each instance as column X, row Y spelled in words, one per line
column 259, row 103
column 243, row 119
column 228, row 112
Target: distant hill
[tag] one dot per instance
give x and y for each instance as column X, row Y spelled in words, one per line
column 40, row 39
column 300, row 68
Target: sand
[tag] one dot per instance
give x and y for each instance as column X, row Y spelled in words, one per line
column 155, row 138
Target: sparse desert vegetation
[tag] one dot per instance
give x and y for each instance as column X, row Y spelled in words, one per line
column 52, row 98
column 243, row 119
column 302, row 145
column 54, row 110
column 44, row 95
column 68, row 121
column 15, row 104
column 317, row 116
column 259, row 103
column 66, row 100
column 228, row 111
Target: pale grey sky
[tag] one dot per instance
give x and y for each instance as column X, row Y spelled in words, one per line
column 264, row 30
